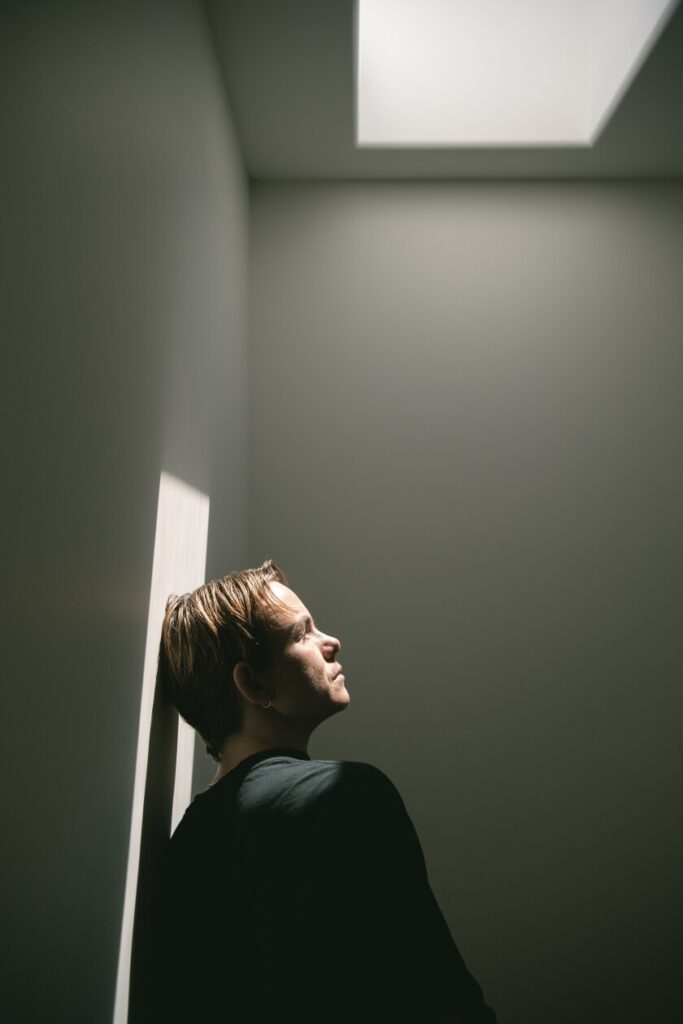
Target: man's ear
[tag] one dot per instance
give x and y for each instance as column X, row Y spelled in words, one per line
column 245, row 680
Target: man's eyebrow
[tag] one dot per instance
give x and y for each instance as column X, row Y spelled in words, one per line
column 299, row 621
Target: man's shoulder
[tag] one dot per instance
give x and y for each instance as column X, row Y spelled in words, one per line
column 362, row 823
column 291, row 785
column 340, row 793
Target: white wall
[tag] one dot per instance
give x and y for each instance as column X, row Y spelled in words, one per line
column 124, row 282
column 467, row 448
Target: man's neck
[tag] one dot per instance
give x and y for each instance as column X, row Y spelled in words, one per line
column 237, row 747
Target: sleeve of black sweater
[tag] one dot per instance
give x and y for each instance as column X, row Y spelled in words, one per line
column 381, row 948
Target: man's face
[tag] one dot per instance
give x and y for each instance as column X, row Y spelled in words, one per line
column 304, row 676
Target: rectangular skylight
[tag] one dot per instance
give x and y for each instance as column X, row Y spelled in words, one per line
column 497, row 72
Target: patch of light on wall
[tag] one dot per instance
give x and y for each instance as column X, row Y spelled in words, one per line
column 179, row 565
column 497, row 72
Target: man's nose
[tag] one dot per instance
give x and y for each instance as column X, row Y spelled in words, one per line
column 333, row 642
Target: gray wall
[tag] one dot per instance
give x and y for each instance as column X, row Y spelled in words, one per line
column 466, row 437
column 464, row 446
column 124, row 242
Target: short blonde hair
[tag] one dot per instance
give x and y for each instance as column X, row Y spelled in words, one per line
column 204, row 635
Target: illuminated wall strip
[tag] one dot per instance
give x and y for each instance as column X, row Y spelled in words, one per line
column 182, row 790
column 179, row 565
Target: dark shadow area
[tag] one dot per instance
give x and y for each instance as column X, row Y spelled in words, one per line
column 156, row 829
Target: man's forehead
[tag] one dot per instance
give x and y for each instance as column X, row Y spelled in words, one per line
column 284, row 617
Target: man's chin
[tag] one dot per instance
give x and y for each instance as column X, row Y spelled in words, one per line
column 341, row 700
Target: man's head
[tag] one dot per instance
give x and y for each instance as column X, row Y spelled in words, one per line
column 302, row 678
column 241, row 642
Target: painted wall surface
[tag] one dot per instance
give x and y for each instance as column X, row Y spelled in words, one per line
column 124, row 283
column 467, row 449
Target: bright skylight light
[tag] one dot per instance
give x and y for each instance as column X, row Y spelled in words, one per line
column 497, row 72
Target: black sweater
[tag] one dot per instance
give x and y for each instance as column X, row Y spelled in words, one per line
column 296, row 890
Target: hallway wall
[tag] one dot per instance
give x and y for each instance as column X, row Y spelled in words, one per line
column 124, row 284
column 467, row 450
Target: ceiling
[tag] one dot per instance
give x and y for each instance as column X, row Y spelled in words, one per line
column 289, row 74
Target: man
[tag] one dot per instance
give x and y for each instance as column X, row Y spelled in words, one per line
column 292, row 889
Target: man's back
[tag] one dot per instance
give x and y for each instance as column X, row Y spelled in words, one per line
column 296, row 890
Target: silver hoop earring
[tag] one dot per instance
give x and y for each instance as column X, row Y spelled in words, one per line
column 267, row 705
